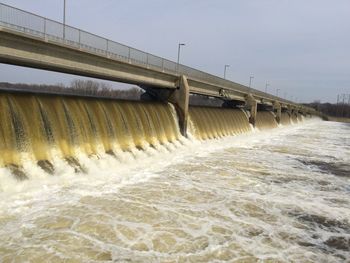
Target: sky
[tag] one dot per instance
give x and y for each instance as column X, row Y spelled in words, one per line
column 301, row 47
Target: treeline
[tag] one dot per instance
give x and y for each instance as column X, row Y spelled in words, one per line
column 101, row 89
column 98, row 89
column 78, row 87
column 341, row 110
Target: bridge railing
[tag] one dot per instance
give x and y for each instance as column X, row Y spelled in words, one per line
column 38, row 26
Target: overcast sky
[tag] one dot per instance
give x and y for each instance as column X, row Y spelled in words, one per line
column 301, row 47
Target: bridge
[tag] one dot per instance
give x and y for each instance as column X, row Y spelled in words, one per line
column 33, row 41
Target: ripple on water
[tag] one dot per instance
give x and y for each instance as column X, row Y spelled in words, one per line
column 239, row 203
column 337, row 169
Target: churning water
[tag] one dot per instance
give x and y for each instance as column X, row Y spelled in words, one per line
column 277, row 196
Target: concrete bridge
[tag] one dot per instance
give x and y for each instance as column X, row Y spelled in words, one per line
column 33, row 41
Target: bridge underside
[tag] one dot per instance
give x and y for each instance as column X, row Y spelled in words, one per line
column 19, row 50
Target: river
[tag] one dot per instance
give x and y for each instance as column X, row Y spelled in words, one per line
column 280, row 195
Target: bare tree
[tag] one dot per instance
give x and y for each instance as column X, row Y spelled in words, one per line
column 78, row 87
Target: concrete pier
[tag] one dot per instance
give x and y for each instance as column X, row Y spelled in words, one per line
column 278, row 111
column 251, row 105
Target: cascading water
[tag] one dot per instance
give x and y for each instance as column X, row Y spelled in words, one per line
column 266, row 120
column 34, row 125
column 149, row 194
column 285, row 118
column 300, row 117
column 38, row 127
column 210, row 122
column 294, row 118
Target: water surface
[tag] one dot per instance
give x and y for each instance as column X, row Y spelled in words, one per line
column 276, row 196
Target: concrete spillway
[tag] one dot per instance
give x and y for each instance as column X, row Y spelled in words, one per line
column 35, row 127
column 266, row 120
column 210, row 122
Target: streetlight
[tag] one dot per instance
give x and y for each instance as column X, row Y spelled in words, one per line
column 267, row 84
column 178, row 55
column 277, row 90
column 64, row 19
column 250, row 81
column 226, row 66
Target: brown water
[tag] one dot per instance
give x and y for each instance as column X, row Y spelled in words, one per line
column 294, row 118
column 266, row 120
column 40, row 129
column 285, row 118
column 114, row 181
column 268, row 197
column 37, row 125
column 210, row 122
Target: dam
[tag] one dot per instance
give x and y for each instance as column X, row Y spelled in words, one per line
column 158, row 196
column 35, row 126
column 240, row 176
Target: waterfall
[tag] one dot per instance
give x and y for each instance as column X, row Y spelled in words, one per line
column 35, row 124
column 210, row 122
column 266, row 120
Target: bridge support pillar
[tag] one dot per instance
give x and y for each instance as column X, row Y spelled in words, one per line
column 278, row 110
column 179, row 97
column 252, row 106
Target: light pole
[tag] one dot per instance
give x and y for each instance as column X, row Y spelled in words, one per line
column 267, row 84
column 178, row 55
column 250, row 81
column 64, row 19
column 277, row 90
column 226, row 66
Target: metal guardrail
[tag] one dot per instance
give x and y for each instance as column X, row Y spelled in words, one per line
column 38, row 26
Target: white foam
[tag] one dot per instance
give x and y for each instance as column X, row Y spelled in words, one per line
column 244, row 184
